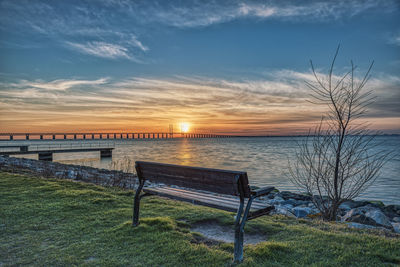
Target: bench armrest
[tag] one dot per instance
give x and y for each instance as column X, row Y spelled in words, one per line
column 262, row 191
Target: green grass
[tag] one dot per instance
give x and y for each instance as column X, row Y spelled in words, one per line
column 50, row 222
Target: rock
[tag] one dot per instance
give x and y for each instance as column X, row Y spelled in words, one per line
column 66, row 171
column 360, row 226
column 301, row 212
column 379, row 217
column 71, row 174
column 319, row 199
column 361, row 218
column 368, row 215
column 350, row 204
column 288, row 206
column 396, row 219
column 290, row 195
column 275, row 201
column 282, row 210
column 396, row 227
column 392, row 211
column 289, row 202
column 303, row 203
column 377, row 203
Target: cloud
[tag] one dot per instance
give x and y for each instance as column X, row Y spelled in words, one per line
column 198, row 14
column 86, row 28
column 277, row 101
column 395, row 40
column 58, row 85
column 116, row 18
column 135, row 42
column 101, row 49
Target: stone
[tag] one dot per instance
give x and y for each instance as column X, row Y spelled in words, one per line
column 396, row 227
column 368, row 215
column 360, row 226
column 301, row 212
column 289, row 202
column 270, row 195
column 290, row 195
column 283, row 211
column 379, row 217
column 275, row 201
column 392, row 211
column 288, row 206
column 349, row 204
column 377, row 203
column 66, row 171
column 396, row 219
column 361, row 218
column 303, row 203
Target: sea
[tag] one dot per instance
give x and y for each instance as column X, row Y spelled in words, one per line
column 265, row 159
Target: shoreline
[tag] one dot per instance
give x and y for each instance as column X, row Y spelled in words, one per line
column 356, row 214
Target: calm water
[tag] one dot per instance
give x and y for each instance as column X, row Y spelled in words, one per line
column 264, row 159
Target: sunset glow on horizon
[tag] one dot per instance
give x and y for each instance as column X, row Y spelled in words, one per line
column 185, row 127
column 231, row 67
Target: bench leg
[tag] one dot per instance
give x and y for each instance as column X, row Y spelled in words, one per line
column 136, row 204
column 238, row 244
column 239, row 230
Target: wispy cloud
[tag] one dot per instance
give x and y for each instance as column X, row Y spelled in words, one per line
column 101, row 49
column 137, row 43
column 197, row 14
column 395, row 39
column 62, row 85
column 88, row 29
column 278, row 101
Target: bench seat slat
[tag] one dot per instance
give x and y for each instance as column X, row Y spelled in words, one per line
column 256, row 203
column 212, row 204
column 201, row 199
column 208, row 198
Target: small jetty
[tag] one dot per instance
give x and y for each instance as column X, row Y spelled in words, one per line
column 47, row 153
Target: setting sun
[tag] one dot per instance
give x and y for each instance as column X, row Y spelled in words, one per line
column 185, row 127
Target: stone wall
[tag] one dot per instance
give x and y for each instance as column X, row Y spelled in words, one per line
column 65, row 171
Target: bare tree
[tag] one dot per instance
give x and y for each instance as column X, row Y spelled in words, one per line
column 339, row 160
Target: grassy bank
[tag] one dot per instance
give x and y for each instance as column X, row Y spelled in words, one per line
column 51, row 222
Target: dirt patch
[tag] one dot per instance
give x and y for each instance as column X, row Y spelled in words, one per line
column 216, row 232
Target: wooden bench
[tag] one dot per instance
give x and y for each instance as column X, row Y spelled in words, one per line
column 232, row 187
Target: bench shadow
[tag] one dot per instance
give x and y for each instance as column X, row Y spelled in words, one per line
column 213, row 233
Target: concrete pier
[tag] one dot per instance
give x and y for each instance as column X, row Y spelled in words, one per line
column 105, row 152
column 47, row 156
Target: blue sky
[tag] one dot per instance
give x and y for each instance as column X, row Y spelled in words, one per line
column 224, row 66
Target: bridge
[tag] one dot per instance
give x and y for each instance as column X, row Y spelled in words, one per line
column 101, row 136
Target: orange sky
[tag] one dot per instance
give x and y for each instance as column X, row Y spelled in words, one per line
column 260, row 107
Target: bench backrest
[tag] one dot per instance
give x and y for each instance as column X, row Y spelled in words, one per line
column 218, row 181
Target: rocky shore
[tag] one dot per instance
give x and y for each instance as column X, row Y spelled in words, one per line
column 356, row 214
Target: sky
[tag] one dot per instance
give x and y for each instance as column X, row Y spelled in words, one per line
column 232, row 67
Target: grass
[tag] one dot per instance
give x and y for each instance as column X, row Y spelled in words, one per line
column 50, row 222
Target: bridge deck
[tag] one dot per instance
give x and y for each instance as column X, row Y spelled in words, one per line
column 66, row 150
